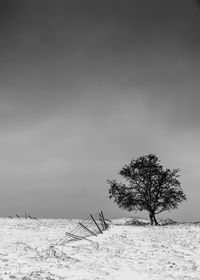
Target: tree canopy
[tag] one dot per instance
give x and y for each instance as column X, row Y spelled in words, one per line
column 148, row 187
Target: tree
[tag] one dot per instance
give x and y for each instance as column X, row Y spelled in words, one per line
column 149, row 187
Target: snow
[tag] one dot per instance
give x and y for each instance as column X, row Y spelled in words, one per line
column 28, row 251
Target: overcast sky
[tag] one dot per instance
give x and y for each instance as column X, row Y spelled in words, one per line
column 85, row 86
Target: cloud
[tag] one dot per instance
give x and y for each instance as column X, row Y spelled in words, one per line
column 84, row 88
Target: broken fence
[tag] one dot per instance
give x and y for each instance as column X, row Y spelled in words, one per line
column 92, row 226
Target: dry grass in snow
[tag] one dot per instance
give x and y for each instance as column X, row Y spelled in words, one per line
column 122, row 252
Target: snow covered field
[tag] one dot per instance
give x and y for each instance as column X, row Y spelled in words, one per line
column 121, row 252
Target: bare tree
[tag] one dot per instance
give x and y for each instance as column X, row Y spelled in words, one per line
column 150, row 187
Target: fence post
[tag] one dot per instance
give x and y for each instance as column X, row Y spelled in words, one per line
column 87, row 229
column 102, row 222
column 96, row 224
column 106, row 225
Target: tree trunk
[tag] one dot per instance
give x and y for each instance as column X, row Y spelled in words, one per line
column 151, row 218
column 154, row 218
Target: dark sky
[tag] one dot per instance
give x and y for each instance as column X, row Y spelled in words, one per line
column 85, row 86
